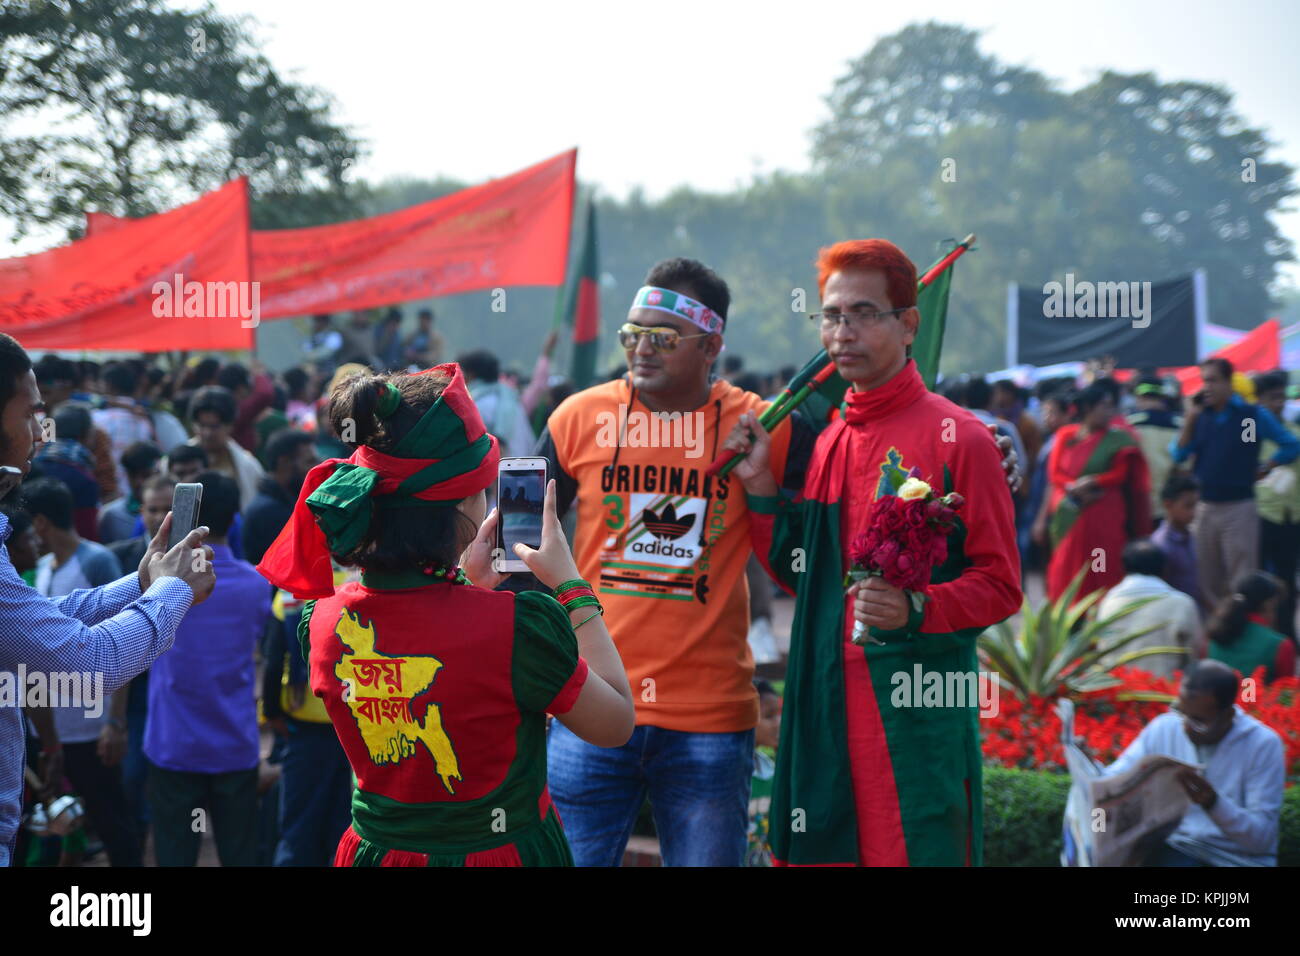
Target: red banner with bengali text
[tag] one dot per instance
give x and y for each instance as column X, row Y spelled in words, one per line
column 178, row 280
column 507, row 232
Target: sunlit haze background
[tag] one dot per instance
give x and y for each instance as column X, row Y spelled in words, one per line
column 706, row 94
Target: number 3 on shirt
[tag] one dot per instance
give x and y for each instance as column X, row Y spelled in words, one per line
column 616, row 518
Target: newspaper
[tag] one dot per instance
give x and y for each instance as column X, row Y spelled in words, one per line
column 1118, row 820
column 1139, row 809
column 1077, row 835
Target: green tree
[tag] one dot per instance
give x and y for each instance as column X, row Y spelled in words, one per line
column 1128, row 178
column 140, row 106
column 1207, row 187
column 916, row 85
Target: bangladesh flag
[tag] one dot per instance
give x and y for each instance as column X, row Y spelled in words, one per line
column 932, row 302
column 580, row 307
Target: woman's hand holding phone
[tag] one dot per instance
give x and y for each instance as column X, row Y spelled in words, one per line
column 553, row 562
column 479, row 560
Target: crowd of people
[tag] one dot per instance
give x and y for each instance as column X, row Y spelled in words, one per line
column 1183, row 511
column 1189, row 503
column 117, row 437
column 407, row 683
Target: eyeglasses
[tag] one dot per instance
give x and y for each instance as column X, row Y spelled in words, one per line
column 857, row 321
column 662, row 338
column 1192, row 722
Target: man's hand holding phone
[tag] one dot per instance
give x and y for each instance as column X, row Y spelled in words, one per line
column 179, row 562
column 10, row 478
column 553, row 562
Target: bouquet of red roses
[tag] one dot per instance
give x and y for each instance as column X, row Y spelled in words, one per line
column 906, row 538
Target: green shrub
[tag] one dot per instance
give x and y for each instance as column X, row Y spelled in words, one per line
column 1064, row 647
column 1024, row 810
column 1288, row 839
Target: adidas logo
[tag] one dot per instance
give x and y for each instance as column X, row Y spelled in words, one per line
column 666, row 526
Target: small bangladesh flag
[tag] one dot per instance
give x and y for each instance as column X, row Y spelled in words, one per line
column 580, row 307
column 932, row 303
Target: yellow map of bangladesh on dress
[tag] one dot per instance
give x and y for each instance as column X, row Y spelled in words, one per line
column 378, row 689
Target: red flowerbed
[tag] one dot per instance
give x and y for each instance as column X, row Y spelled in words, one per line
column 1027, row 735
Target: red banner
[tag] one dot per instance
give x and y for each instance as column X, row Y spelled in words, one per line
column 98, row 223
column 177, row 280
column 1259, row 350
column 507, row 232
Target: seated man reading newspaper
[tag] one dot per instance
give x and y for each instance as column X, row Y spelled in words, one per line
column 1232, row 819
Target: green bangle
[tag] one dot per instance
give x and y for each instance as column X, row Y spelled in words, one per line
column 586, row 619
column 569, row 586
column 587, row 600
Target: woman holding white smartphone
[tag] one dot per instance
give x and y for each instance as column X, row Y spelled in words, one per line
column 437, row 685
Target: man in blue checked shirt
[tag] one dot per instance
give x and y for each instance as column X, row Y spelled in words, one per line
column 1223, row 431
column 115, row 631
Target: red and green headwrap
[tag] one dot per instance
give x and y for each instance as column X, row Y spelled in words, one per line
column 444, row 459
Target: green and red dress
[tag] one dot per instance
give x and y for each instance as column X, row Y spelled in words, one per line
column 1121, row 513
column 439, row 695
column 870, row 769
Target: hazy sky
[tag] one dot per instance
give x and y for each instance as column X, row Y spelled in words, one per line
column 663, row 93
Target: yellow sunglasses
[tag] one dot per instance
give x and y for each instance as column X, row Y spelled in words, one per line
column 662, row 338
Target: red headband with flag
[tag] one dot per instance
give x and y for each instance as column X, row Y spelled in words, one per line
column 446, row 457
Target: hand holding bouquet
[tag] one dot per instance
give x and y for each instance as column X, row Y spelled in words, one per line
column 905, row 539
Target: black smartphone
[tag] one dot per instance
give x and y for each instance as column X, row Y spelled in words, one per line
column 521, row 492
column 186, row 500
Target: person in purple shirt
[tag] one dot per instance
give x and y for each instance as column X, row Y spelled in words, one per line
column 200, row 737
column 1179, row 496
column 115, row 631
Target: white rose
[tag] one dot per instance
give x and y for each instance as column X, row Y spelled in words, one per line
column 913, row 488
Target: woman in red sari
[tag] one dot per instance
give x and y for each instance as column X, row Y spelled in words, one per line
column 1099, row 482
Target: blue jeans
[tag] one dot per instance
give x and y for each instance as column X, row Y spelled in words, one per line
column 698, row 786
column 315, row 795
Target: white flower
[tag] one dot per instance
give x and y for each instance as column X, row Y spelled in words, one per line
column 913, row 488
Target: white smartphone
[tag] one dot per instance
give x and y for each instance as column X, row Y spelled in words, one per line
column 521, row 493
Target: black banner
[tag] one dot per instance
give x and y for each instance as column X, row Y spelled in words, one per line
column 1074, row 319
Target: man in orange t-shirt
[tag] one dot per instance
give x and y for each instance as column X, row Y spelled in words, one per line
column 665, row 548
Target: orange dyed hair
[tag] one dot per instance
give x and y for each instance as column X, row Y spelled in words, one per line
column 900, row 274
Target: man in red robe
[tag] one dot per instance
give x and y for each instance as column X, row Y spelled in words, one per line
column 873, row 768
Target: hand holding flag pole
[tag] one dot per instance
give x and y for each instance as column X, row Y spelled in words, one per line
column 813, row 375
